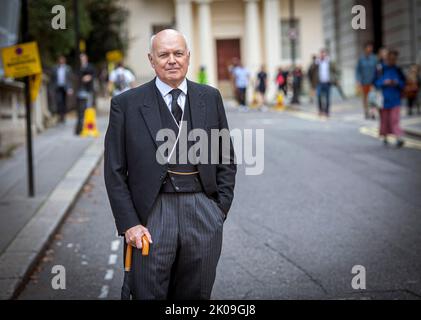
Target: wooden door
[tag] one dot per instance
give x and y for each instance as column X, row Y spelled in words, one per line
column 226, row 50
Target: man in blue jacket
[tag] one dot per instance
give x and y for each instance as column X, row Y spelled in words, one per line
column 366, row 75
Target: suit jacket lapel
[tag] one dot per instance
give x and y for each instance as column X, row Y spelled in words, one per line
column 150, row 111
column 197, row 105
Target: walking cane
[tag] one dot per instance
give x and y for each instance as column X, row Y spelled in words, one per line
column 125, row 290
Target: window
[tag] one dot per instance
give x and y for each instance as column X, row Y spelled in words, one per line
column 286, row 35
column 159, row 27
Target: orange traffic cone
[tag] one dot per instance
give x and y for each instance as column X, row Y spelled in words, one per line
column 254, row 101
column 280, row 102
column 89, row 124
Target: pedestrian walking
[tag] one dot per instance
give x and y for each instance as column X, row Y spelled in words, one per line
column 261, row 86
column 391, row 82
column 281, row 81
column 61, row 78
column 231, row 67
column 375, row 96
column 179, row 206
column 312, row 76
column 412, row 88
column 85, row 95
column 366, row 75
column 326, row 71
column 297, row 76
column 381, row 59
column 121, row 79
column 241, row 80
column 202, row 76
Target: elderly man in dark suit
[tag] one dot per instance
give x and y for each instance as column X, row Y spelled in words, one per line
column 179, row 205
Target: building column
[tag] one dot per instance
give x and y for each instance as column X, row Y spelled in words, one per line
column 252, row 41
column 184, row 24
column 207, row 46
column 272, row 38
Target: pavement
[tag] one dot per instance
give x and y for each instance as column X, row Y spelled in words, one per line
column 351, row 110
column 62, row 164
column 331, row 197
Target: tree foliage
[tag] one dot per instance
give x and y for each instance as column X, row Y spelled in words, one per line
column 100, row 23
column 108, row 22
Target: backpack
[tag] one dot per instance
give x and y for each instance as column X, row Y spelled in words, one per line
column 120, row 82
column 280, row 80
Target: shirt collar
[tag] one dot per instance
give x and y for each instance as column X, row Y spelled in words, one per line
column 165, row 89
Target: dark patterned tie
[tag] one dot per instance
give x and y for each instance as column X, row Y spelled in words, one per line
column 175, row 108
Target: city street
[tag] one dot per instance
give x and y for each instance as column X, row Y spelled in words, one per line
column 331, row 197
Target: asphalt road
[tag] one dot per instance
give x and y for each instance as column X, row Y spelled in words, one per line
column 329, row 198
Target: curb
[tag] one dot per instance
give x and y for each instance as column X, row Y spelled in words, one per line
column 22, row 255
column 412, row 132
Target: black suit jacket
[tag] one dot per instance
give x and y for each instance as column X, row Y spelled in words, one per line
column 133, row 176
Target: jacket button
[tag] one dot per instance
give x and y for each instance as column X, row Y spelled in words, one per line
column 177, row 188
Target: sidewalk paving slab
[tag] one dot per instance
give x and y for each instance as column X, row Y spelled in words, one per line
column 63, row 163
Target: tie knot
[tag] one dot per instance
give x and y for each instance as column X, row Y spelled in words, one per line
column 175, row 93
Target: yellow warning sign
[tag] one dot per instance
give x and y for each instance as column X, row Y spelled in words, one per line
column 21, row 60
column 114, row 56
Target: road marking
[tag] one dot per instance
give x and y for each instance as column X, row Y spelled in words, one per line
column 307, row 116
column 268, row 121
column 104, row 292
column 114, row 245
column 112, row 259
column 109, row 274
column 374, row 132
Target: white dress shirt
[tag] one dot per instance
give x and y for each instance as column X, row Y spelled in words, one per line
column 324, row 70
column 165, row 90
column 61, row 75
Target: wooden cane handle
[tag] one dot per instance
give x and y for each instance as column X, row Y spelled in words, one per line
column 145, row 246
column 129, row 250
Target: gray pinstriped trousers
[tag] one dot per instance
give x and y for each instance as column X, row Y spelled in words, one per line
column 186, row 230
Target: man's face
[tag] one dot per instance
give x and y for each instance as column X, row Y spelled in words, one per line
column 169, row 57
column 83, row 59
column 369, row 49
column 391, row 59
column 61, row 60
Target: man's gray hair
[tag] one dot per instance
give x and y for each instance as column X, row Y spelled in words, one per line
column 153, row 37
